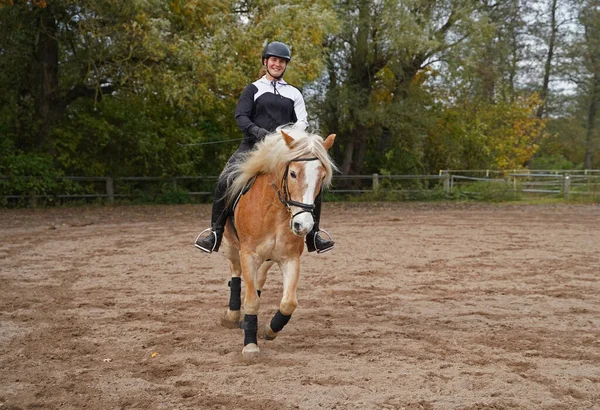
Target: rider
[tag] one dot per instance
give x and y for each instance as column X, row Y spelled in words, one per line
column 263, row 106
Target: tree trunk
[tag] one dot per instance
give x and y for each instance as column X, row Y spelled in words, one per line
column 591, row 22
column 331, row 115
column 591, row 123
column 548, row 66
column 361, row 153
column 47, row 50
column 360, row 75
column 348, row 155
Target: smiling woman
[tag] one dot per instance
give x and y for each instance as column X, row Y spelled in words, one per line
column 275, row 58
column 264, row 106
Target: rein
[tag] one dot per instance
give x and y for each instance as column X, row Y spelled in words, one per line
column 285, row 198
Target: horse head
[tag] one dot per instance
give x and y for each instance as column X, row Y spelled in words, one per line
column 301, row 182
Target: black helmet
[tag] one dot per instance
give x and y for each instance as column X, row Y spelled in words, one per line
column 276, row 49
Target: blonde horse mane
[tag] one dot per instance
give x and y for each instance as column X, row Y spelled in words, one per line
column 271, row 155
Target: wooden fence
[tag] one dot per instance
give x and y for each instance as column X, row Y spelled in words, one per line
column 558, row 183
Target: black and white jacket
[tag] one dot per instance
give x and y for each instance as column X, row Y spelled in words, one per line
column 265, row 105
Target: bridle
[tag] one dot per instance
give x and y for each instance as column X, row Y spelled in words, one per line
column 285, row 197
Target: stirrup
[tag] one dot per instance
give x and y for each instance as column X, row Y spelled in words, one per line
column 319, row 251
column 202, row 248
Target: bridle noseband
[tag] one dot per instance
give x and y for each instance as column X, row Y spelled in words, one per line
column 285, row 198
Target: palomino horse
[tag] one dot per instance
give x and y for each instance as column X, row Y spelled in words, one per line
column 286, row 171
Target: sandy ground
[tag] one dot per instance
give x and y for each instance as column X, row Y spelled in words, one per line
column 420, row 306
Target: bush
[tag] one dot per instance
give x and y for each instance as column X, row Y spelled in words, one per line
column 175, row 196
column 489, row 191
column 28, row 175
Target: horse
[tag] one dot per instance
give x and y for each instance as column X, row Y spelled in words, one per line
column 273, row 189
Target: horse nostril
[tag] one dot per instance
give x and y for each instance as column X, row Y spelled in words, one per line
column 296, row 226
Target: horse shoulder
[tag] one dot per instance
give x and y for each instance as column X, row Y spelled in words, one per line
column 256, row 208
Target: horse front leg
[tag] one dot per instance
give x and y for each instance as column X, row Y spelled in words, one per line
column 250, row 264
column 289, row 301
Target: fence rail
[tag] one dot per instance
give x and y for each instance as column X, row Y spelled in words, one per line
column 559, row 183
column 563, row 183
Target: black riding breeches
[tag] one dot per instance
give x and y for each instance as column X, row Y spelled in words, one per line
column 317, row 211
column 219, row 209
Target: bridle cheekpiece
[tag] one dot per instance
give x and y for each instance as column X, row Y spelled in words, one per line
column 285, row 197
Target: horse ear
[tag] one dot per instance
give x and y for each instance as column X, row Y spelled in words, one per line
column 328, row 143
column 289, row 141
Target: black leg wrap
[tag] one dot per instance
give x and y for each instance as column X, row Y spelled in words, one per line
column 250, row 329
column 279, row 321
column 235, row 285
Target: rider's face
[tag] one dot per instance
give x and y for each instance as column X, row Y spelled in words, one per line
column 275, row 67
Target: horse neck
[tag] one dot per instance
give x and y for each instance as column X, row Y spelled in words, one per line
column 270, row 186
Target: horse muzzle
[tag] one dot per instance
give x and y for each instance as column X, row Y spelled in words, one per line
column 301, row 228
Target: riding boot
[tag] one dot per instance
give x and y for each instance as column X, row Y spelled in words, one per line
column 313, row 241
column 212, row 241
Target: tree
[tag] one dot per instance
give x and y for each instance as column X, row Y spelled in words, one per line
column 477, row 135
column 86, row 61
column 590, row 19
column 377, row 65
column 551, row 38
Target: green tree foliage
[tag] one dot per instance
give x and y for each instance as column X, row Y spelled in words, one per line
column 117, row 88
column 574, row 125
column 564, row 147
column 145, row 87
column 590, row 19
column 377, row 94
column 479, row 135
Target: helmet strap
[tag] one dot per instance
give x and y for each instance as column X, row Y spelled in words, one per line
column 276, row 78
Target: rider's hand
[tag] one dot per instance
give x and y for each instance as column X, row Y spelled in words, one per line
column 259, row 132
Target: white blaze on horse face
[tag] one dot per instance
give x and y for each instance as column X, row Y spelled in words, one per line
column 313, row 173
column 309, row 175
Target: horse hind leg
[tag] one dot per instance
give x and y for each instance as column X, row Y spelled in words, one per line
column 232, row 317
column 250, row 267
column 261, row 275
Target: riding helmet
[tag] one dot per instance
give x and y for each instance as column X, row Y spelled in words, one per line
column 276, row 49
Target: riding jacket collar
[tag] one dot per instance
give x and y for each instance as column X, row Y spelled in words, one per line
column 264, row 79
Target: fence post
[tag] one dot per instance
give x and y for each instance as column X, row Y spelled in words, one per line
column 110, row 190
column 447, row 182
column 566, row 186
column 32, row 198
column 375, row 182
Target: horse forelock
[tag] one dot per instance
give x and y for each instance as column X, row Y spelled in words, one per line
column 272, row 154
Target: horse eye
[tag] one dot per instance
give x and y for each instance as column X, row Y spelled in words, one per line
column 293, row 174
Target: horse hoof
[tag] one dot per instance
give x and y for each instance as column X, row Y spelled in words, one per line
column 231, row 319
column 267, row 333
column 250, row 350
